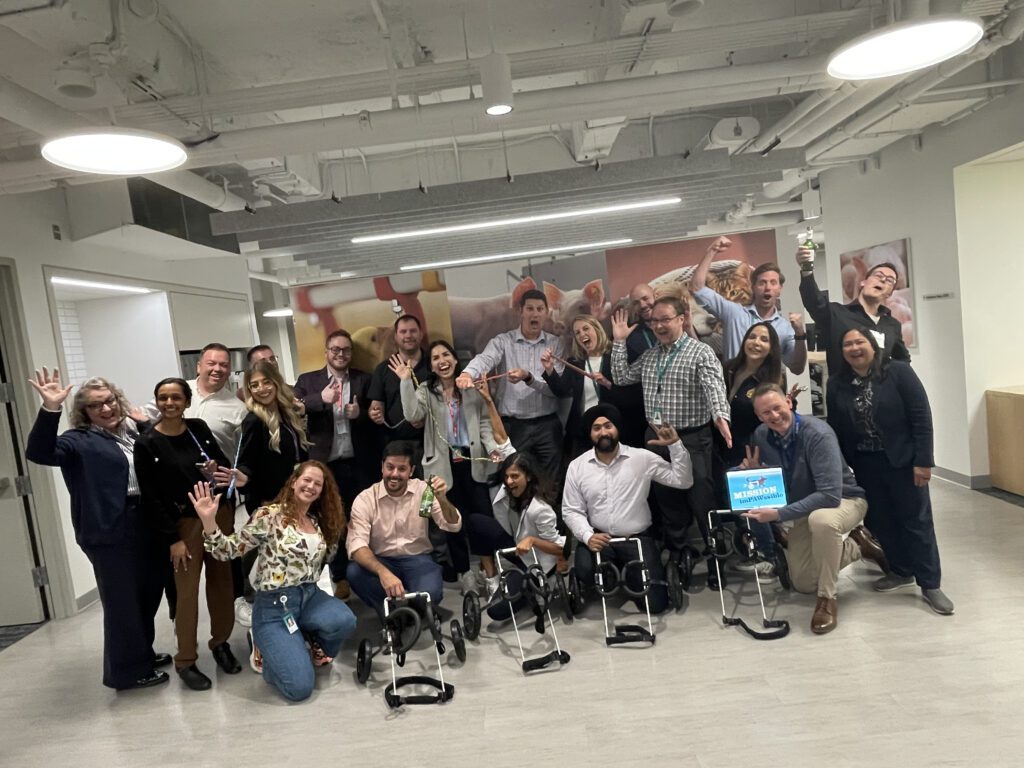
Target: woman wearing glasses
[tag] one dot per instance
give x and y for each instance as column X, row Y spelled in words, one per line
column 169, row 460
column 95, row 457
column 458, row 441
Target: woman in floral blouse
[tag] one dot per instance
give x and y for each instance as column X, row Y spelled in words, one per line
column 293, row 537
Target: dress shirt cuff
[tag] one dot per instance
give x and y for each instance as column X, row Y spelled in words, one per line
column 48, row 410
column 443, row 524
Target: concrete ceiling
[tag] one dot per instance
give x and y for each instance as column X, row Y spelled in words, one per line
column 285, row 104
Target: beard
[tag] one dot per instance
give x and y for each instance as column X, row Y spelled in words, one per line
column 606, row 444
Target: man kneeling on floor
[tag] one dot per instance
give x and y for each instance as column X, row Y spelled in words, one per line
column 825, row 502
column 605, row 497
column 388, row 542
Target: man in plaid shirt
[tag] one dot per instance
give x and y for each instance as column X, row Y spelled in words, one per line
column 683, row 386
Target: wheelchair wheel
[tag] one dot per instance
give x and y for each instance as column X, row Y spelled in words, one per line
column 471, row 615
column 685, row 568
column 565, row 597
column 782, row 568
column 364, row 661
column 576, row 601
column 675, row 586
column 458, row 641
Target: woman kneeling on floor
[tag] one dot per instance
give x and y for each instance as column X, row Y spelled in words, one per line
column 294, row 536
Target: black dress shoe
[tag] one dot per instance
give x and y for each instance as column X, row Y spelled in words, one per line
column 226, row 659
column 153, row 678
column 194, row 679
column 161, row 660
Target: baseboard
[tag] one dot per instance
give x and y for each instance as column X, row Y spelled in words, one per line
column 87, row 599
column 974, row 482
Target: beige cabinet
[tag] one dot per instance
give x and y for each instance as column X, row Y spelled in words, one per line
column 1005, row 411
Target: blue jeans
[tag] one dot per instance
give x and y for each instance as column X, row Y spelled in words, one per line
column 286, row 662
column 418, row 573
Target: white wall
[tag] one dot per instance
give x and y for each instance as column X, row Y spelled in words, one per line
column 989, row 204
column 911, row 195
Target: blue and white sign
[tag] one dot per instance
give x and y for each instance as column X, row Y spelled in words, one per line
column 755, row 488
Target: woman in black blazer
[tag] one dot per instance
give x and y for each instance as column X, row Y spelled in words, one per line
column 591, row 352
column 879, row 410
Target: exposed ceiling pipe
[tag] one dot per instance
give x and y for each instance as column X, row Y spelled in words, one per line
column 30, row 110
column 862, row 95
column 791, row 179
column 772, row 136
column 1008, row 32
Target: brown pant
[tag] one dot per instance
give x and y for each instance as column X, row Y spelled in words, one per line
column 817, row 549
column 219, row 590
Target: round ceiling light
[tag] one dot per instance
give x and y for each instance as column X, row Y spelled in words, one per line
column 115, row 151
column 905, row 47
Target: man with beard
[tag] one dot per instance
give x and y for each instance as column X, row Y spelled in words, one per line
column 526, row 403
column 606, row 497
column 641, row 302
column 766, row 282
column 385, row 392
column 832, row 319
column 388, row 542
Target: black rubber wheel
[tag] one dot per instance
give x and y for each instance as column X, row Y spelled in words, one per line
column 685, row 567
column 565, row 597
column 782, row 568
column 675, row 587
column 364, row 661
column 471, row 615
column 458, row 641
column 576, row 601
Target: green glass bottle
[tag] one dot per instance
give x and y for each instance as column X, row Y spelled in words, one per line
column 427, row 502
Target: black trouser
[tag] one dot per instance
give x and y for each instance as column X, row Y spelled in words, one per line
column 542, row 438
column 900, row 516
column 470, row 498
column 679, row 507
column 351, row 482
column 486, row 536
column 621, row 553
column 130, row 582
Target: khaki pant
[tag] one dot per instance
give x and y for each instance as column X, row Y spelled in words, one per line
column 818, row 549
column 219, row 590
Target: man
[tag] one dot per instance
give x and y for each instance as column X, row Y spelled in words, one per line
column 385, row 387
column 832, row 319
column 825, row 502
column 335, row 399
column 213, row 402
column 766, row 281
column 683, row 387
column 388, row 542
column 527, row 406
column 641, row 302
column 606, row 497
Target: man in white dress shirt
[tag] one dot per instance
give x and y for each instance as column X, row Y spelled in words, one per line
column 606, row 497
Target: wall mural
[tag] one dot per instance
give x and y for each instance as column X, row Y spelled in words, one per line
column 855, row 264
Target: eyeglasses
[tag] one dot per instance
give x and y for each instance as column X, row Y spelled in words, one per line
column 887, row 279
column 663, row 320
column 340, row 350
column 110, row 402
column 262, row 384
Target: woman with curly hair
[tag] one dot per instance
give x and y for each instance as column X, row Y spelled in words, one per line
column 293, row 537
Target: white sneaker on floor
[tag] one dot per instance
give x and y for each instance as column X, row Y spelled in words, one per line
column 243, row 612
column 467, row 582
column 491, row 585
column 765, row 572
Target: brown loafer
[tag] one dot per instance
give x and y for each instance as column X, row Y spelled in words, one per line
column 826, row 616
column 870, row 549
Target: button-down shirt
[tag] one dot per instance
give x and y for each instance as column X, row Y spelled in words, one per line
column 223, row 414
column 612, row 498
column 125, row 436
column 341, row 443
column 513, row 350
column 736, row 319
column 391, row 526
column 683, row 384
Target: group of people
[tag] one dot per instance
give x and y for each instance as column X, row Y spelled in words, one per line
column 385, row 475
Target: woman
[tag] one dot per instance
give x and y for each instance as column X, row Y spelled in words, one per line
column 294, row 537
column 591, row 352
column 170, row 459
column 95, row 457
column 524, row 518
column 880, row 412
column 457, row 440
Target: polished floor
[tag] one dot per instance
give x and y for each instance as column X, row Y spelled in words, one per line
column 894, row 685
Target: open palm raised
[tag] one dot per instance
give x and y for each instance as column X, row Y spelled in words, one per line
column 49, row 388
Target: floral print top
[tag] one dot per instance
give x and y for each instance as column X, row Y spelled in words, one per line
column 285, row 557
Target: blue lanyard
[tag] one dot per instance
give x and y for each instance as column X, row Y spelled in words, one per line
column 788, row 449
column 204, row 454
column 649, row 338
column 664, row 360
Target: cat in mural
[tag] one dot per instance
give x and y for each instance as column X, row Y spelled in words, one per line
column 728, row 277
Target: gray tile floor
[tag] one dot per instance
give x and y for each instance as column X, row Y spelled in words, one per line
column 894, row 685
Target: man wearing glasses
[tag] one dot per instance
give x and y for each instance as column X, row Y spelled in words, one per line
column 336, row 404
column 832, row 319
column 683, row 388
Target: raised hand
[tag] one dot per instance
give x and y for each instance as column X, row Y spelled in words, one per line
column 805, row 257
column 49, row 388
column 720, row 244
column 138, row 414
column 753, row 457
column 484, row 389
column 204, row 502
column 439, row 485
column 464, row 380
column 666, row 434
column 330, row 393
column 620, row 325
column 400, row 367
column 797, row 321
column 547, row 359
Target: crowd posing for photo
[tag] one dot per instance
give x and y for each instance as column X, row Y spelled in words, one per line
column 400, row 478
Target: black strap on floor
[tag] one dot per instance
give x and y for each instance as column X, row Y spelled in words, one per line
column 630, row 633
column 532, row 665
column 779, row 628
column 445, row 691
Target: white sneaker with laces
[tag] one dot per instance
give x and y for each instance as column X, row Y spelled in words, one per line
column 467, row 581
column 243, row 612
column 765, row 572
column 491, row 585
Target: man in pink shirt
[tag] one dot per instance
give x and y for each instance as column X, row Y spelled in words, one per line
column 388, row 538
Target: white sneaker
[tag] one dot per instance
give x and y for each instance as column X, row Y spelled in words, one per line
column 243, row 612
column 765, row 572
column 491, row 584
column 468, row 582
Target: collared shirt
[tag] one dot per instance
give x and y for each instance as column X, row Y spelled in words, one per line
column 223, row 414
column 736, row 319
column 538, row 519
column 341, row 444
column 612, row 498
column 392, row 527
column 513, row 350
column 125, row 437
column 683, row 384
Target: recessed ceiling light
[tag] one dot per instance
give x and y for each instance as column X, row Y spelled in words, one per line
column 103, row 286
column 905, row 47
column 115, row 151
column 284, row 312
column 518, row 254
column 478, row 225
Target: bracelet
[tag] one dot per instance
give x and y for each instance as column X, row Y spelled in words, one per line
column 800, row 338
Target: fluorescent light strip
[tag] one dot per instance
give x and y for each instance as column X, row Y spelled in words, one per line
column 663, row 201
column 284, row 312
column 91, row 284
column 519, row 254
